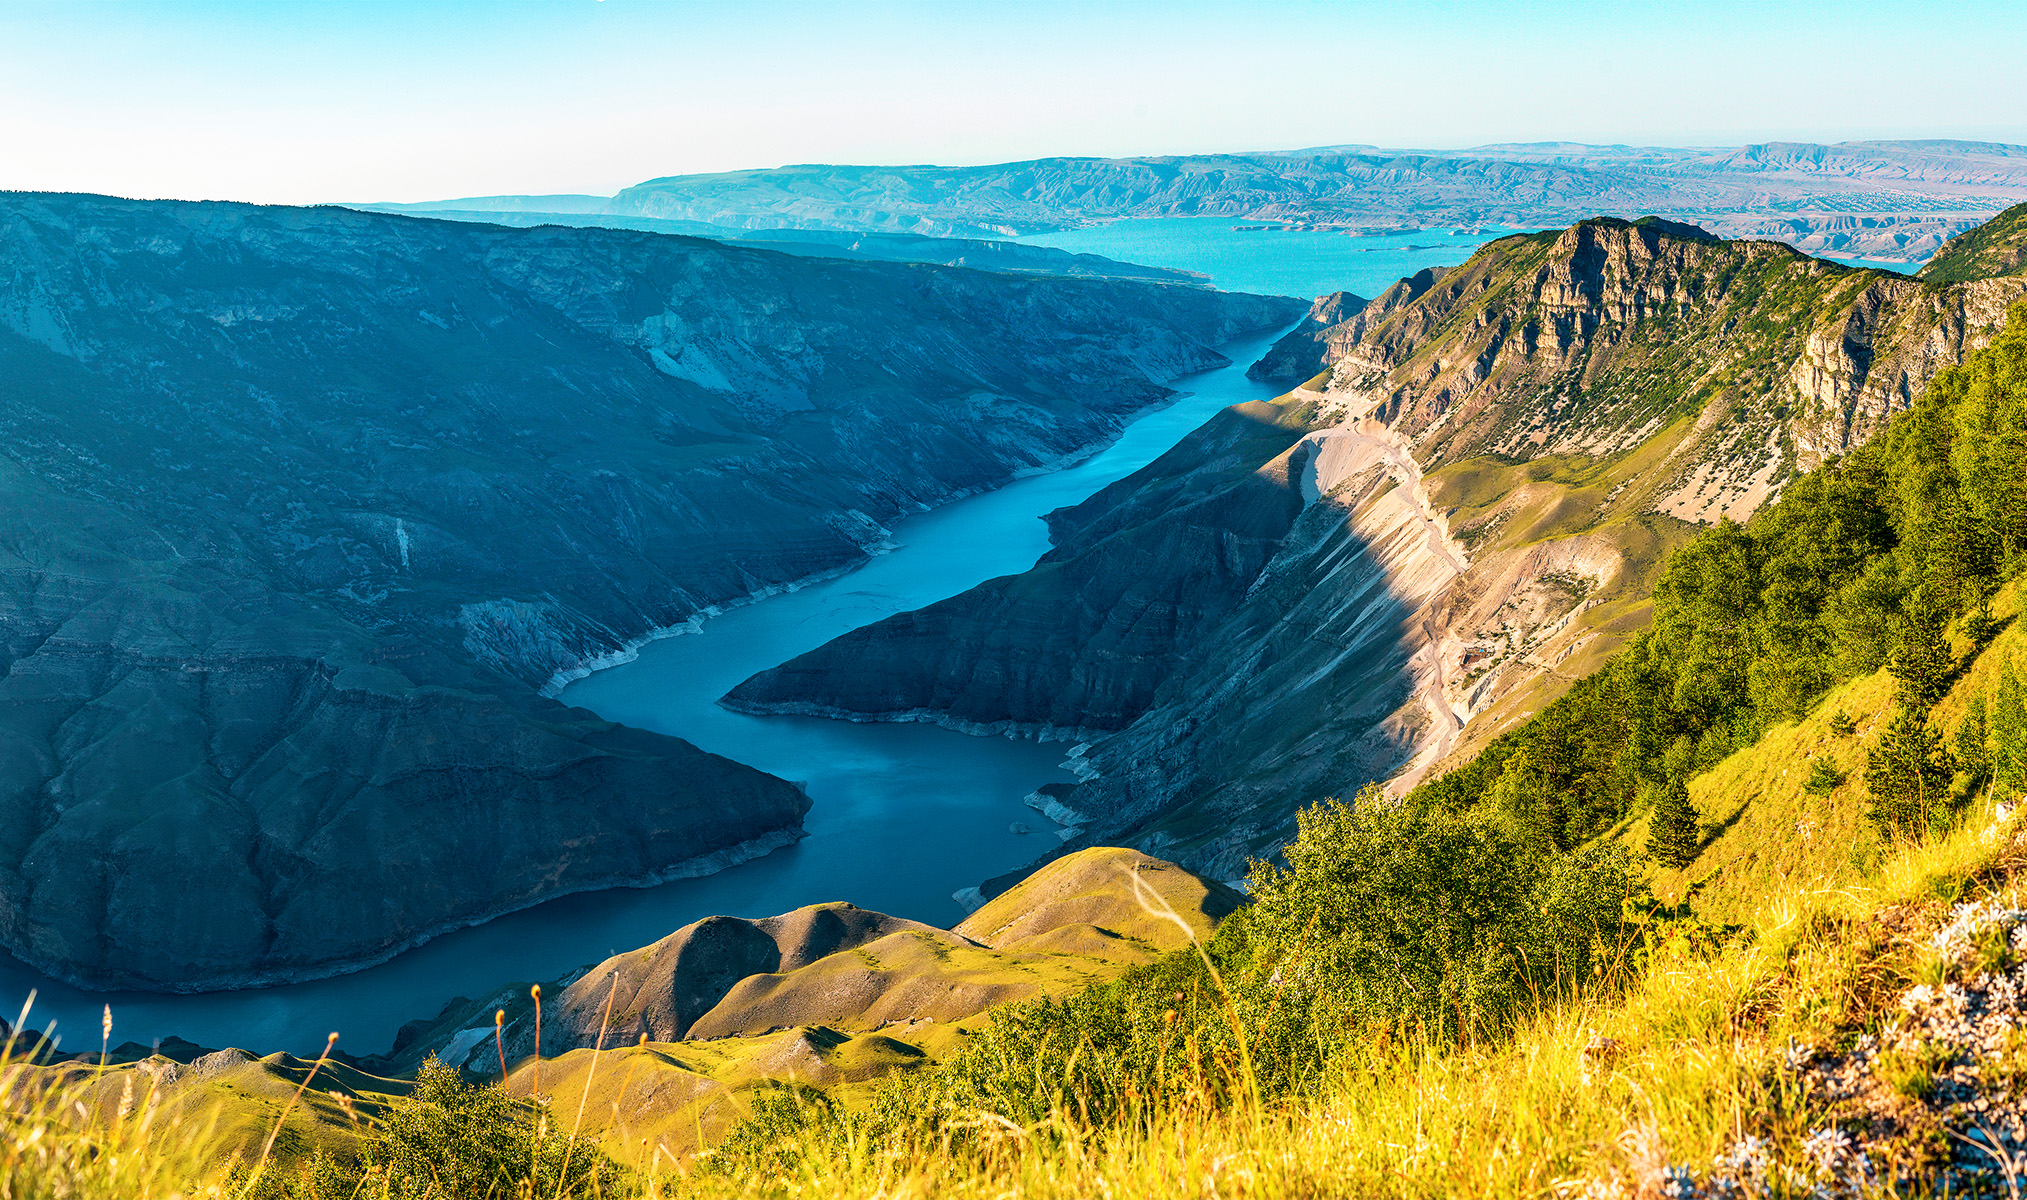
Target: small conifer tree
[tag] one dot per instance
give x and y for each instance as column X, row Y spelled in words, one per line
column 2009, row 735
column 1908, row 774
column 1922, row 662
column 1979, row 624
column 1674, row 838
column 1823, row 779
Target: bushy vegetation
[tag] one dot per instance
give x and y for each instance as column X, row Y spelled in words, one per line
column 1866, row 562
column 446, row 1140
column 1391, row 925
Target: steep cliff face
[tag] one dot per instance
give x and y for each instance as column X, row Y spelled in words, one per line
column 1307, row 348
column 306, row 504
column 1488, row 483
column 1590, row 341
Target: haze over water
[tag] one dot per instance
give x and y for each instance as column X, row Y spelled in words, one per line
column 1272, row 262
column 901, row 815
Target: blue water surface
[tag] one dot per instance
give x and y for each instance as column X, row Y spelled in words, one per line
column 901, row 816
column 1280, row 262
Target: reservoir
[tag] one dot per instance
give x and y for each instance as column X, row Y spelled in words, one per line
column 901, row 815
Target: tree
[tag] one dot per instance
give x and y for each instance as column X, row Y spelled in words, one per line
column 1974, row 758
column 1922, row 662
column 2009, row 735
column 1908, row 774
column 1400, row 912
column 1824, row 778
column 1674, row 838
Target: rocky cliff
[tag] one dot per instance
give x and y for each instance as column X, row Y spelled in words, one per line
column 306, row 505
column 1307, row 349
column 1486, row 485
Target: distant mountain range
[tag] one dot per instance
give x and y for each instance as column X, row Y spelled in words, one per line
column 1884, row 199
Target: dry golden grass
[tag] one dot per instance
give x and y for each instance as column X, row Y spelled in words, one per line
column 1592, row 1098
column 1589, row 1097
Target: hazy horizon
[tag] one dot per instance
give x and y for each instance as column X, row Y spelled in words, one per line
column 373, row 101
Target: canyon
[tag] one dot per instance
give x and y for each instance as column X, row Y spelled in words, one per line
column 1366, row 578
column 309, row 506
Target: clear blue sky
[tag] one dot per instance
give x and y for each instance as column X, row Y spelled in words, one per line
column 275, row 100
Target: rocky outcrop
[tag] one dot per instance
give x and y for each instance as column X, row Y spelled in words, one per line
column 1312, row 345
column 306, row 505
column 1332, row 329
column 1500, row 461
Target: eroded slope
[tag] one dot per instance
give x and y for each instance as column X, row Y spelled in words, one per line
column 305, row 505
column 1489, row 480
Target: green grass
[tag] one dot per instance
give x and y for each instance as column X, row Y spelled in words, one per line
column 1997, row 247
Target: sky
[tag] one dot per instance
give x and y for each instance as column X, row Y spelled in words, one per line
column 358, row 100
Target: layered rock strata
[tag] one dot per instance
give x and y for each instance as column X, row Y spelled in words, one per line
column 1488, row 483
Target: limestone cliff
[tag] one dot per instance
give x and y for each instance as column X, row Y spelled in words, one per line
column 1499, row 461
column 306, row 505
column 1307, row 348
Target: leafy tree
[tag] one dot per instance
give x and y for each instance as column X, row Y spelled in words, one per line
column 1674, row 839
column 1408, row 914
column 1704, row 604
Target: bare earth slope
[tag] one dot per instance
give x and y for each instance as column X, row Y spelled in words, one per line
column 306, row 505
column 1487, row 484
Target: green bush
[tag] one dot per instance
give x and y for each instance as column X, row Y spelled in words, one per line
column 448, row 1140
column 1419, row 917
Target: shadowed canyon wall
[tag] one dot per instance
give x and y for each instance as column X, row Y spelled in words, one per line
column 306, row 505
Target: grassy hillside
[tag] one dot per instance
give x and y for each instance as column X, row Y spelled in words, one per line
column 1997, row 247
column 1725, row 1061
